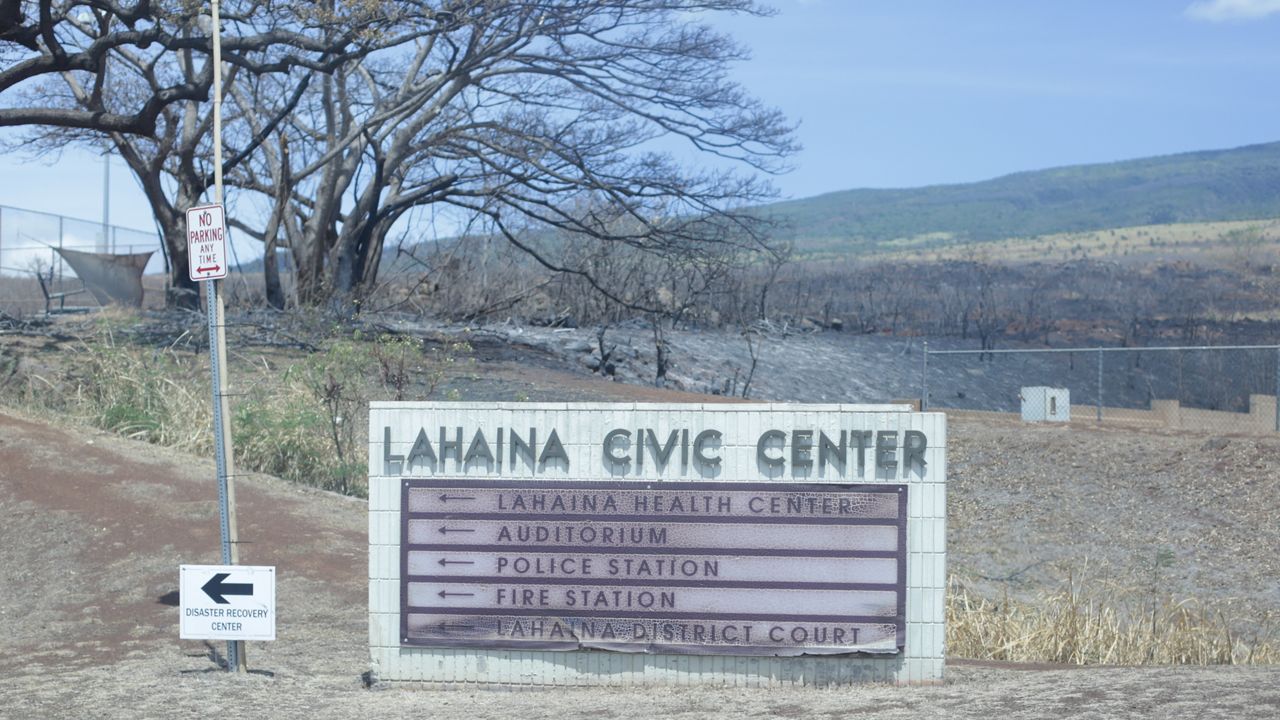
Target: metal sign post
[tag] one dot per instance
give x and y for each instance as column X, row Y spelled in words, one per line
column 218, row 358
column 223, row 453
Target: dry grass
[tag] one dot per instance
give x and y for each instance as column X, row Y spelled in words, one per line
column 302, row 419
column 1209, row 242
column 158, row 395
column 1092, row 625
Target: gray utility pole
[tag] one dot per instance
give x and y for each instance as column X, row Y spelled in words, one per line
column 924, row 377
column 1099, row 385
column 218, row 362
column 106, row 199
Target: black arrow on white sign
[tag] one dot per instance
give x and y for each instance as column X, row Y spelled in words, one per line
column 447, row 530
column 216, row 588
column 444, row 563
column 445, row 594
column 446, row 628
column 446, row 498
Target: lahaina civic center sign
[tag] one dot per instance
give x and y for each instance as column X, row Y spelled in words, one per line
column 589, row 544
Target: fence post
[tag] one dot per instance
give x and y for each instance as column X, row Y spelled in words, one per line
column 1099, row 384
column 924, row 381
column 1278, row 389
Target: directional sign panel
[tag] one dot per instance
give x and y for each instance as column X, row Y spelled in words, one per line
column 697, row 567
column 206, row 242
column 227, row 602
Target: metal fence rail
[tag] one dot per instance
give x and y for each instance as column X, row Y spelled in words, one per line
column 29, row 241
column 1218, row 388
column 30, row 236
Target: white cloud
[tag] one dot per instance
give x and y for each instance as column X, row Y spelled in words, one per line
column 1227, row 10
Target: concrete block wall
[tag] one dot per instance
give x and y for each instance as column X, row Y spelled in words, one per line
column 921, row 661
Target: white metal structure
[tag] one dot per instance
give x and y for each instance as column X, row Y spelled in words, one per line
column 1045, row 404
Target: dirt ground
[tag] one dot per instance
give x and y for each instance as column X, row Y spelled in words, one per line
column 96, row 526
column 1142, row 513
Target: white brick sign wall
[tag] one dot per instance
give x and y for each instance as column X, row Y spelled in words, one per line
column 630, row 544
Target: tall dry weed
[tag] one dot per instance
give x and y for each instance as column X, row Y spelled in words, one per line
column 1090, row 624
column 149, row 394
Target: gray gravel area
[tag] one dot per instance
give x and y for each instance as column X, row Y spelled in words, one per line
column 178, row 686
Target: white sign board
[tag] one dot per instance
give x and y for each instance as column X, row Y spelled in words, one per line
column 206, row 242
column 787, row 544
column 227, row 602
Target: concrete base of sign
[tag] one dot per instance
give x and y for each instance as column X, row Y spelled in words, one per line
column 499, row 670
column 394, row 426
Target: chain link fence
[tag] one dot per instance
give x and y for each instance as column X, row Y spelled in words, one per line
column 1224, row 389
column 29, row 241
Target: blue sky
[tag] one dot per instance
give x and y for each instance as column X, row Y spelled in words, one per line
column 895, row 93
column 907, row 93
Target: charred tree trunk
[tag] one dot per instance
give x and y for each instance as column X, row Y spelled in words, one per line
column 662, row 357
column 183, row 291
column 270, row 237
column 271, row 274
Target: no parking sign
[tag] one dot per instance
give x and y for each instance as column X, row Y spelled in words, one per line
column 206, row 242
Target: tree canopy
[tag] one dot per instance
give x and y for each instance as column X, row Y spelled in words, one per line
column 544, row 122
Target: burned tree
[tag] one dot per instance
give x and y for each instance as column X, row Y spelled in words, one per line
column 137, row 76
column 514, row 116
column 342, row 118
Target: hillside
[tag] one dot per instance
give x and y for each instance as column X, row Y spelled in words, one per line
column 1214, row 185
column 1201, row 197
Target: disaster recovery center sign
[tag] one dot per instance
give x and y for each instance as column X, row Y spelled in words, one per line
column 810, row 536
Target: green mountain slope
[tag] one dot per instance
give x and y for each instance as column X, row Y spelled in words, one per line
column 1237, row 184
